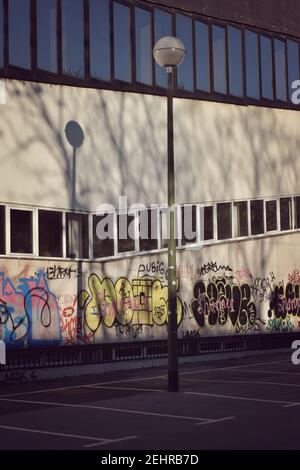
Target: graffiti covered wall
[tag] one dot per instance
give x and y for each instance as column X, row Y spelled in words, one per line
column 242, row 288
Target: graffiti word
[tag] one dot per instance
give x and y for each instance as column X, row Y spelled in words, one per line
column 138, row 302
column 29, row 312
column 285, row 302
column 219, row 302
column 261, row 287
column 187, row 272
column 18, row 377
column 243, row 274
column 212, row 267
column 278, row 325
column 294, row 277
column 133, row 331
column 152, row 268
column 60, row 272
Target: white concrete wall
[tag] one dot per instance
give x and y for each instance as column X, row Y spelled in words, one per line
column 222, row 151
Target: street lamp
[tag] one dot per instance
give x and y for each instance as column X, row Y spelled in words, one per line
column 169, row 52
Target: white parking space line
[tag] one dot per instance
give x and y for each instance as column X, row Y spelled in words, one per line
column 231, row 397
column 256, row 382
column 112, row 441
column 141, row 379
column 295, row 374
column 105, row 408
column 219, row 420
column 99, row 440
column 107, row 387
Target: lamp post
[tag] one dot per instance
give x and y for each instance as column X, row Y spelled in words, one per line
column 169, row 52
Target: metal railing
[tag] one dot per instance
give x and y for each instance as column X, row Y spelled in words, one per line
column 40, row 358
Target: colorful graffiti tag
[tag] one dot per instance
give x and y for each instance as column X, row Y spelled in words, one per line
column 29, row 313
column 79, row 307
column 142, row 301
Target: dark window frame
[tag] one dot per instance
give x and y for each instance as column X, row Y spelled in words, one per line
column 34, row 214
column 36, row 75
column 58, row 212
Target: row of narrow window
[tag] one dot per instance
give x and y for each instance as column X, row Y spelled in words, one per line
column 112, row 42
column 50, row 233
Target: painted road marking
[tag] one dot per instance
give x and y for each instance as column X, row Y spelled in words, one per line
column 231, row 397
column 219, row 420
column 107, row 387
column 99, row 440
column 104, row 408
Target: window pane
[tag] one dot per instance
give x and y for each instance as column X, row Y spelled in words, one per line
column 50, row 233
column 143, row 43
column 1, row 34
column 219, row 59
column 99, row 39
column 148, row 230
column 207, row 222
column 122, row 43
column 188, row 224
column 2, row 230
column 224, row 219
column 163, row 228
column 21, row 231
column 72, row 38
column 202, row 56
column 46, row 35
column 235, row 61
column 19, row 33
column 297, row 211
column 252, row 64
column 293, row 64
column 241, row 219
column 77, row 236
column 257, row 217
column 271, row 215
column 103, row 235
column 286, row 213
column 185, row 72
column 266, row 67
column 126, row 232
column 280, row 69
column 162, row 27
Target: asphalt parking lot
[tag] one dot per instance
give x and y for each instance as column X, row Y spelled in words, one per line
column 243, row 403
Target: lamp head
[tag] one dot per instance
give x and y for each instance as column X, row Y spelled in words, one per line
column 169, row 51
